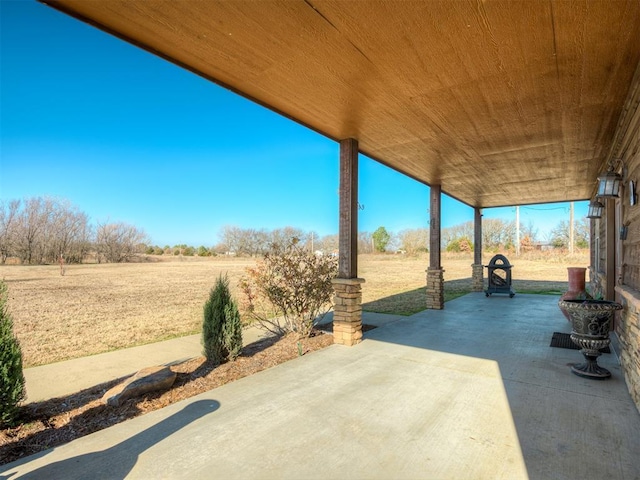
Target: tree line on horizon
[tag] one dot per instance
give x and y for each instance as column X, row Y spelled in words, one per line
column 43, row 230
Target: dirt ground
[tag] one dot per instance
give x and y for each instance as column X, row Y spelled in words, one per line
column 98, row 308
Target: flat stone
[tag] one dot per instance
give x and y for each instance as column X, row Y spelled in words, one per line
column 147, row 380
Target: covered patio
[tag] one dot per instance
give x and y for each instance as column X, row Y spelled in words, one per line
column 494, row 103
column 472, row 391
column 539, row 95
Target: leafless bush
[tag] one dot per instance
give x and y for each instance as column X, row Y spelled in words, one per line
column 290, row 289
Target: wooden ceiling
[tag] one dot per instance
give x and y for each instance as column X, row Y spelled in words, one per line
column 500, row 102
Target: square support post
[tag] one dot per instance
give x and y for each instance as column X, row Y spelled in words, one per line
column 347, row 310
column 477, row 278
column 611, row 238
column 435, row 273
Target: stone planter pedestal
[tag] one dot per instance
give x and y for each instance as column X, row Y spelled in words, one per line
column 590, row 322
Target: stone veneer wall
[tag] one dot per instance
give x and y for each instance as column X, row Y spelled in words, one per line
column 627, row 329
column 628, row 333
column 596, row 284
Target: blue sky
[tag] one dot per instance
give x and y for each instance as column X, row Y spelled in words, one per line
column 127, row 136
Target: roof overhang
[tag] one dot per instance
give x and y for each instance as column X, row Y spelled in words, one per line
column 499, row 102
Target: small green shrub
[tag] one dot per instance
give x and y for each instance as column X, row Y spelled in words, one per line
column 221, row 327
column 231, row 332
column 12, row 390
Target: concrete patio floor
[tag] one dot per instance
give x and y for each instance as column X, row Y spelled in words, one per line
column 470, row 392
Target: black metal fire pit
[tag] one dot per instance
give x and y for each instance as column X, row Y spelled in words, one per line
column 499, row 276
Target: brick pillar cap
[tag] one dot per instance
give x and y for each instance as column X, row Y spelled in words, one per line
column 347, row 281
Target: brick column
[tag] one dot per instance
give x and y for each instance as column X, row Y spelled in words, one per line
column 435, row 289
column 477, row 279
column 347, row 311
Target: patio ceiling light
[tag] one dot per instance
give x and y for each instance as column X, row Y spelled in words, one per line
column 609, row 184
column 595, row 209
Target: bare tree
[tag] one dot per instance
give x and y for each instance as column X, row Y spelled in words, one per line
column 560, row 234
column 497, row 233
column 119, row 242
column 68, row 234
column 457, row 232
column 257, row 241
column 281, row 237
column 310, row 241
column 365, row 242
column 254, row 242
column 530, row 231
column 33, row 222
column 235, row 239
column 329, row 244
column 415, row 240
column 8, row 225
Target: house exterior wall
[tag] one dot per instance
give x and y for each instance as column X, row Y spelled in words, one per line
column 627, row 271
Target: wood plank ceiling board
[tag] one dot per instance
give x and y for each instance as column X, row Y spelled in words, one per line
column 500, row 102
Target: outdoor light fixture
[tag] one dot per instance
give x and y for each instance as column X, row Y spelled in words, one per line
column 624, row 230
column 609, row 184
column 595, row 209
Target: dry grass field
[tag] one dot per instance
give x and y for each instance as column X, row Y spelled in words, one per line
column 98, row 308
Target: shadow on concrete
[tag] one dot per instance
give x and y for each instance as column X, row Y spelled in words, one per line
column 118, row 460
column 97, row 418
column 560, row 419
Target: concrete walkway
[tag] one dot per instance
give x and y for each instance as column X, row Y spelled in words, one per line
column 71, row 376
column 470, row 392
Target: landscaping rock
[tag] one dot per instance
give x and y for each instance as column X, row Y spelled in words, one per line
column 146, row 380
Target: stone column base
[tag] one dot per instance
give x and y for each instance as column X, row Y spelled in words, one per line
column 477, row 279
column 435, row 289
column 347, row 311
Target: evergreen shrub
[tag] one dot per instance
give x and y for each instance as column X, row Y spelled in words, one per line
column 221, row 327
column 12, row 390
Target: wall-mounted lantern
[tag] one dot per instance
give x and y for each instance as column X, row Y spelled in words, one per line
column 609, row 184
column 595, row 209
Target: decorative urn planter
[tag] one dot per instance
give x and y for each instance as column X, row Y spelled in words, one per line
column 590, row 321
